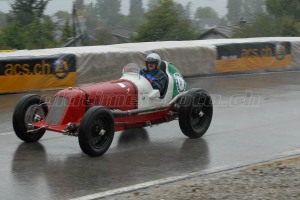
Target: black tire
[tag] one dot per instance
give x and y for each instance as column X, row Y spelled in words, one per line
column 96, row 120
column 195, row 113
column 24, row 113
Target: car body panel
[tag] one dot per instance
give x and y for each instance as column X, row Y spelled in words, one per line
column 132, row 92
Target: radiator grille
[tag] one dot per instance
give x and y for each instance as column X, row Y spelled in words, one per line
column 57, row 110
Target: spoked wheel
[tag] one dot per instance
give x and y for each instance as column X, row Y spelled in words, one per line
column 96, row 131
column 30, row 109
column 195, row 113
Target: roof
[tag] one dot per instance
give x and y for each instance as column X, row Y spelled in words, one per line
column 120, row 31
column 122, row 34
column 223, row 31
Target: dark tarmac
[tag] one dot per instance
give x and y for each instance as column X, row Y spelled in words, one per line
column 256, row 117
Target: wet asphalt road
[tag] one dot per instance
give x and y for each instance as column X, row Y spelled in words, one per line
column 256, row 117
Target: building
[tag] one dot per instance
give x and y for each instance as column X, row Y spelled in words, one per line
column 221, row 32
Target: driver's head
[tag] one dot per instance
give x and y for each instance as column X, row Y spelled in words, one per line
column 152, row 61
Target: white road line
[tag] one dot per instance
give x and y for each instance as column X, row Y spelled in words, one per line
column 183, row 177
column 7, row 133
column 148, row 184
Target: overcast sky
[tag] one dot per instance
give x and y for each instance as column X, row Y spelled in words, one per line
column 66, row 5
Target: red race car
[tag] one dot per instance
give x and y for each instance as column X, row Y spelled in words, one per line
column 94, row 112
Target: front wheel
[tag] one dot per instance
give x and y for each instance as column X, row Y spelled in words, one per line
column 30, row 109
column 195, row 113
column 96, row 131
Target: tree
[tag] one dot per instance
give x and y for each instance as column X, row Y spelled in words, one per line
column 272, row 27
column 289, row 27
column 64, row 15
column 251, row 8
column 164, row 23
column 136, row 8
column 92, row 20
column 109, row 12
column 184, row 11
column 26, row 11
column 234, row 11
column 37, row 32
column 281, row 8
column 80, row 4
column 136, row 13
column 152, row 4
column 12, row 37
column 254, row 30
column 80, row 7
column 3, row 19
column 206, row 12
column 66, row 32
column 287, row 16
column 282, row 20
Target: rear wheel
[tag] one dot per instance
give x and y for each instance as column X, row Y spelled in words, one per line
column 195, row 113
column 30, row 109
column 96, row 131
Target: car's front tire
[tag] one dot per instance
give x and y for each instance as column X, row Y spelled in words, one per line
column 25, row 113
column 195, row 113
column 96, row 131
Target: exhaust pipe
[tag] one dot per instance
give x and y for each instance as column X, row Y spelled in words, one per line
column 145, row 110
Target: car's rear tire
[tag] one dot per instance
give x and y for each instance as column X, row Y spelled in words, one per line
column 24, row 114
column 96, row 131
column 195, row 113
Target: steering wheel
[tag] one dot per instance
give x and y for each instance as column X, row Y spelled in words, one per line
column 141, row 70
column 150, row 81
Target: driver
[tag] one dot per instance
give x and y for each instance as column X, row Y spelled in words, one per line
column 153, row 74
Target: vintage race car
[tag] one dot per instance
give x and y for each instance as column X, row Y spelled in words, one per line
column 94, row 112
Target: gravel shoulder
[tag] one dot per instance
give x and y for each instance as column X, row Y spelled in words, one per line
column 279, row 179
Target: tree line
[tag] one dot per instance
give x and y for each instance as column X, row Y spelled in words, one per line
column 279, row 18
column 27, row 27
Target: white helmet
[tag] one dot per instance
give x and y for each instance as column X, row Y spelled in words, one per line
column 153, row 58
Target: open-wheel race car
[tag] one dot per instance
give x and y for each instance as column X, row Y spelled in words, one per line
column 94, row 112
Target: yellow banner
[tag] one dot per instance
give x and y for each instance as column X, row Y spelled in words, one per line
column 23, row 83
column 248, row 64
column 253, row 56
column 19, row 74
column 8, row 50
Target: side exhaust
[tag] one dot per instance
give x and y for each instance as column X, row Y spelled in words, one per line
column 145, row 110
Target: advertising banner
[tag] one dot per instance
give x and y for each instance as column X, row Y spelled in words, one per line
column 37, row 73
column 7, row 50
column 253, row 56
